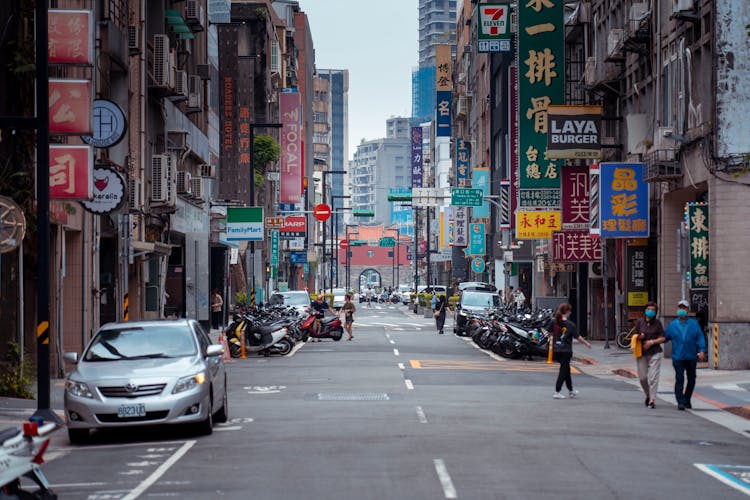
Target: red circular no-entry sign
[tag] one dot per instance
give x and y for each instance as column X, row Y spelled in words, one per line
column 344, row 244
column 322, row 212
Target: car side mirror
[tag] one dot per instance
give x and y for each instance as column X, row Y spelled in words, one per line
column 71, row 357
column 214, row 350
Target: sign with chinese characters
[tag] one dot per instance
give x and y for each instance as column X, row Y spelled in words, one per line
column 574, row 132
column 460, row 226
column 274, row 247
column 637, row 284
column 298, row 257
column 466, row 197
column 541, row 43
column 71, row 172
column 513, row 121
column 493, row 28
column 539, row 198
column 480, row 180
column 291, row 150
column 109, row 191
column 697, row 222
column 294, row 227
column 462, row 163
column 575, row 197
column 476, row 239
column 623, row 199
column 536, row 224
column 244, row 223
column 575, row 246
column 443, row 113
column 71, row 37
column 443, row 68
column 70, row 107
column 416, row 157
column 109, row 125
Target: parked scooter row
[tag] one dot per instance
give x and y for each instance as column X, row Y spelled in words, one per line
column 21, row 454
column 511, row 336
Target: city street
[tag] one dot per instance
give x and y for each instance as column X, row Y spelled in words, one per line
column 402, row 412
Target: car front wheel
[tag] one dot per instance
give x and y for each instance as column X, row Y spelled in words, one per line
column 78, row 436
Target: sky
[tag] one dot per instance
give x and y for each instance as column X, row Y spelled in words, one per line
column 377, row 41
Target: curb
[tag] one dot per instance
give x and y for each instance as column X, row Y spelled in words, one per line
column 585, row 360
column 625, row 372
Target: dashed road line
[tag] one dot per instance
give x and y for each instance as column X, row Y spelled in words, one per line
column 160, row 471
column 395, row 352
column 401, row 367
column 409, row 384
column 392, row 341
column 421, row 415
column 445, row 479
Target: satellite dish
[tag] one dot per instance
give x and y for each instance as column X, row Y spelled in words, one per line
column 12, row 225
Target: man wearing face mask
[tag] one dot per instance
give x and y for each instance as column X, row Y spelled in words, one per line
column 688, row 345
column 651, row 333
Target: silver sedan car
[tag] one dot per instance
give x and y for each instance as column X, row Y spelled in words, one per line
column 145, row 373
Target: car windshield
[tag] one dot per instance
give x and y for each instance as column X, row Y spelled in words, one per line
column 480, row 299
column 290, row 299
column 146, row 342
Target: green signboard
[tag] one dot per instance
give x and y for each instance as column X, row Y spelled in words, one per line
column 245, row 224
column 399, row 196
column 388, row 242
column 363, row 213
column 541, row 82
column 466, row 197
column 697, row 222
column 357, row 243
column 493, row 28
column 274, row 247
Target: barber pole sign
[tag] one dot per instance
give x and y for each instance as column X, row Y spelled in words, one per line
column 594, row 216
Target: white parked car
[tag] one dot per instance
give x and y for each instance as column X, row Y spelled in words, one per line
column 339, row 297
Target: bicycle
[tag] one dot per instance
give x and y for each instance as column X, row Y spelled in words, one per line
column 624, row 337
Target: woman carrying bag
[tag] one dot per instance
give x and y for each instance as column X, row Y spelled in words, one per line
column 440, row 313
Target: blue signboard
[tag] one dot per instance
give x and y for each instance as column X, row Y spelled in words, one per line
column 443, row 113
column 477, row 264
column 298, row 257
column 462, row 163
column 476, row 239
column 416, row 157
column 287, row 207
column 623, row 200
column 480, row 179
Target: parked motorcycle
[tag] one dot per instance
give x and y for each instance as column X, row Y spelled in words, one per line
column 330, row 328
column 264, row 338
column 21, row 454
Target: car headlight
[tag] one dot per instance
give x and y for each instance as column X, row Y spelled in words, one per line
column 78, row 389
column 186, row 383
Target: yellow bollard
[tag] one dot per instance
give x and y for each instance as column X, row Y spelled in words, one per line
column 242, row 347
column 716, row 346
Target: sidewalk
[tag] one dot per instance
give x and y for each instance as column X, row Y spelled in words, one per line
column 727, row 390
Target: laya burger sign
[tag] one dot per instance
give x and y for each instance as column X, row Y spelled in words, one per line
column 574, row 132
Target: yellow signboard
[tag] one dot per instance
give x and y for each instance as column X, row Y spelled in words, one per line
column 443, row 69
column 537, row 225
column 637, row 299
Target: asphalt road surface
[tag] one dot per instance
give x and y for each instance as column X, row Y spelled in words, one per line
column 401, row 412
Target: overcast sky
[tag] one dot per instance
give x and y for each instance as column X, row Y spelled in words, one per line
column 377, row 41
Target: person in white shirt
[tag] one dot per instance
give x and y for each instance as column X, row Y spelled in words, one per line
column 520, row 299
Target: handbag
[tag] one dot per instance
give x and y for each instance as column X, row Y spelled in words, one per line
column 636, row 346
column 437, row 313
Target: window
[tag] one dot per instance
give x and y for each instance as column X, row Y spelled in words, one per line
column 275, row 57
column 370, row 254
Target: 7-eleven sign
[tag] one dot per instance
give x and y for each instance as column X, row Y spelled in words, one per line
column 493, row 21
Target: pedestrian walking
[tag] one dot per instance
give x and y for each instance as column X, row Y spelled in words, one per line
column 348, row 309
column 217, row 305
column 563, row 332
column 688, row 346
column 651, row 333
column 433, row 301
column 520, row 300
column 368, row 297
column 440, row 313
column 510, row 299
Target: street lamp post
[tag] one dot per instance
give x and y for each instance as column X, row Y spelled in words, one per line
column 253, row 126
column 335, row 227
column 324, row 173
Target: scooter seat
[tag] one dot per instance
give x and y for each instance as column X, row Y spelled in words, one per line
column 264, row 329
column 8, row 433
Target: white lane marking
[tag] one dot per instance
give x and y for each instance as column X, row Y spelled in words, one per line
column 163, row 468
column 75, row 485
column 724, row 477
column 728, row 386
column 387, row 335
column 401, row 366
column 392, row 341
column 145, row 463
column 445, row 479
column 231, row 428
column 409, row 385
column 397, row 329
column 395, row 352
column 384, row 324
column 421, row 416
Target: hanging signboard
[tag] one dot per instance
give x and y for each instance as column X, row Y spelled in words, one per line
column 594, row 217
column 575, row 198
column 480, row 179
column 291, row 149
column 109, row 191
column 574, row 132
column 462, row 163
column 623, row 199
column 294, row 227
column 636, row 270
column 70, row 106
column 697, row 222
column 460, row 226
column 416, row 157
column 443, row 68
column 493, row 28
column 575, row 246
column 443, row 110
column 71, row 172
column 109, row 125
column 71, row 36
column 274, row 247
column 513, row 139
column 244, row 223
column 541, row 46
column 536, row 224
column 476, row 239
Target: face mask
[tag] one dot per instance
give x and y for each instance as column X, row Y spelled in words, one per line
column 681, row 313
column 650, row 313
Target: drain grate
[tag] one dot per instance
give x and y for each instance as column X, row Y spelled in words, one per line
column 353, row 396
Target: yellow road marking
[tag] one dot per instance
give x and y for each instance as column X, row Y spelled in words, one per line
column 508, row 365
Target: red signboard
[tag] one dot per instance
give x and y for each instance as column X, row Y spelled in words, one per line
column 295, row 227
column 575, row 246
column 344, row 244
column 70, row 107
column 322, row 212
column 71, row 37
column 291, row 150
column 575, row 197
column 71, row 172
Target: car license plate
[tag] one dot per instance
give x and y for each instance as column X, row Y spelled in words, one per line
column 129, row 411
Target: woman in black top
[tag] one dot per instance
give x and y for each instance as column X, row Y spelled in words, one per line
column 440, row 313
column 651, row 333
column 563, row 333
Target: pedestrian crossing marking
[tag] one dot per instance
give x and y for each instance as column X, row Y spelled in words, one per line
column 507, row 365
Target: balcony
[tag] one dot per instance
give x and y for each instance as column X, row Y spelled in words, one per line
column 637, row 33
column 662, row 160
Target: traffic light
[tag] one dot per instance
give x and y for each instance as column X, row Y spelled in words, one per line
column 268, row 268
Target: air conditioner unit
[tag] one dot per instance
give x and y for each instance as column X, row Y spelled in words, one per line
column 663, row 140
column 134, row 39
column 162, row 67
column 682, row 5
column 181, row 83
column 462, row 106
column 195, row 15
column 185, row 46
column 160, row 178
column 614, row 40
column 171, row 180
column 204, row 71
column 595, row 270
column 135, row 202
column 177, row 140
column 208, row 170
column 198, row 186
column 589, row 73
column 608, row 140
column 172, row 68
column 183, row 182
column 195, row 94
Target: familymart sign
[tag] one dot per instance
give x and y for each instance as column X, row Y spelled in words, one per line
column 245, row 224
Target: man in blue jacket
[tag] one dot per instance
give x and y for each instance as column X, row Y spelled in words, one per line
column 688, row 345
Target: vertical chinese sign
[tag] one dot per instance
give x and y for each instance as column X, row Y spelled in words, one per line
column 480, row 179
column 416, row 157
column 461, row 214
column 636, row 269
column 574, row 243
column 274, row 250
column 541, row 42
column 291, row 151
column 235, row 184
column 623, row 200
column 477, row 240
column 697, row 225
column 444, row 87
column 71, row 37
column 244, row 139
column 71, row 172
